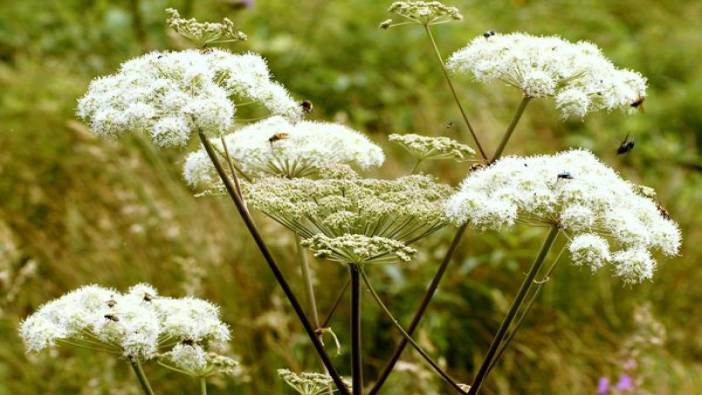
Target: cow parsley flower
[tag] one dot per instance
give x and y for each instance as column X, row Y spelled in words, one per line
column 135, row 324
column 170, row 95
column 577, row 75
column 203, row 33
column 307, row 383
column 275, row 147
column 404, row 210
column 576, row 192
column 425, row 147
column 425, row 12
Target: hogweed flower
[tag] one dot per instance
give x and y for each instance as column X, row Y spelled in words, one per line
column 192, row 360
column 423, row 12
column 276, row 147
column 307, row 383
column 171, row 95
column 136, row 324
column 577, row 75
column 427, row 148
column 203, row 33
column 608, row 220
column 341, row 210
column 358, row 249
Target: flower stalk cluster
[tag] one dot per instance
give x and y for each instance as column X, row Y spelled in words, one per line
column 203, row 34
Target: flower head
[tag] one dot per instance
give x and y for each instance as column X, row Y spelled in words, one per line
column 203, row 33
column 577, row 75
column 193, row 360
column 276, row 147
column 307, row 383
column 135, row 324
column 576, row 192
column 170, row 95
column 425, row 147
column 344, row 212
column 358, row 249
column 425, row 12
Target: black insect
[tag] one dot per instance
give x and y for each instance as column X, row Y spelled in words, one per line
column 277, row 137
column 565, row 176
column 111, row 303
column 664, row 213
column 489, row 33
column 307, row 106
column 476, row 166
column 112, row 317
column 188, row 342
column 626, row 146
column 148, row 297
column 638, row 102
column 449, row 124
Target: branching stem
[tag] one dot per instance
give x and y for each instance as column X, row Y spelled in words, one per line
column 521, row 294
column 272, row 264
column 510, row 129
column 139, row 372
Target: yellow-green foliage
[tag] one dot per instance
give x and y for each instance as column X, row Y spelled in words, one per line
column 76, row 210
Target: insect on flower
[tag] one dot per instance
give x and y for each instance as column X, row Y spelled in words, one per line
column 111, row 317
column 626, row 146
column 565, row 176
column 489, row 34
column 277, row 137
column 307, row 106
column 638, row 102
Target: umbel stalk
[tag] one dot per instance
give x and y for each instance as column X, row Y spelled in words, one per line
column 504, row 327
column 356, row 344
column 139, row 372
column 268, row 257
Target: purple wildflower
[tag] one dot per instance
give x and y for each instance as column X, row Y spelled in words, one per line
column 625, row 384
column 603, row 386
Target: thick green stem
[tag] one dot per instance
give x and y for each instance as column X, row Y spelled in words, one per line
column 431, row 290
column 521, row 294
column 272, row 264
column 356, row 343
column 437, row 53
column 407, row 336
column 203, row 386
column 143, row 381
column 416, row 166
column 510, row 129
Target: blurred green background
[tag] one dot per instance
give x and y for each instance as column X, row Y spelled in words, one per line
column 76, row 210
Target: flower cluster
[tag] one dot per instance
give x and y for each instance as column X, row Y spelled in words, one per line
column 425, row 12
column 170, row 95
column 359, row 249
column 193, row 360
column 203, row 33
column 575, row 191
column 577, row 75
column 308, row 383
column 275, row 147
column 337, row 215
column 135, row 324
column 425, row 147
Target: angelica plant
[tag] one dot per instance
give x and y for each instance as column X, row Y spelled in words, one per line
column 138, row 325
column 431, row 148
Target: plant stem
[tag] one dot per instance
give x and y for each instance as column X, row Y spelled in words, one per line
column 453, row 91
column 502, row 331
column 307, row 278
column 525, row 310
column 431, row 290
column 356, row 362
column 248, row 221
column 406, row 335
column 203, row 386
column 143, row 381
column 416, row 166
column 510, row 129
column 336, row 303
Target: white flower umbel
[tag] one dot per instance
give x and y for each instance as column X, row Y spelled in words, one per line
column 136, row 324
column 193, row 360
column 347, row 212
column 276, row 147
column 425, row 12
column 426, row 147
column 307, row 383
column 171, row 95
column 576, row 192
column 577, row 75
